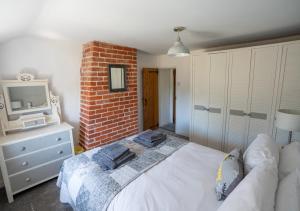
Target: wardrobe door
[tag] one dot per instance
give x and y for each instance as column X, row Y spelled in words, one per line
column 217, row 99
column 238, row 91
column 200, row 86
column 289, row 95
column 264, row 82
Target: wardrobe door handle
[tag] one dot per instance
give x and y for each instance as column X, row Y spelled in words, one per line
column 214, row 110
column 201, row 108
column 28, row 179
column 23, row 149
column 253, row 115
column 256, row 115
column 60, row 152
column 25, row 163
column 58, row 139
column 237, row 112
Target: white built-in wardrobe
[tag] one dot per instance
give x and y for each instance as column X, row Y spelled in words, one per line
column 236, row 93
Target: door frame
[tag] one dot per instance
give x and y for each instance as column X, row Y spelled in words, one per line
column 174, row 95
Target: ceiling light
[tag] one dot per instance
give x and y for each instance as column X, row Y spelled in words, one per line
column 178, row 49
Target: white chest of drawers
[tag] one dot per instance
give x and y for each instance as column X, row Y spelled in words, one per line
column 32, row 157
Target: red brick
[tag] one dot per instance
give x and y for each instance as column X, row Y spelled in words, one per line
column 104, row 116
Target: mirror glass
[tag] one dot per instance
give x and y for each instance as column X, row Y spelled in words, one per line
column 117, row 75
column 27, row 97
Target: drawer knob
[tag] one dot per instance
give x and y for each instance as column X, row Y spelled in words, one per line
column 25, row 163
column 60, row 152
column 23, row 148
column 58, row 139
column 28, row 179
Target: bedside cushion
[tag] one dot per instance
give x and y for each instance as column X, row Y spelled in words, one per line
column 256, row 192
column 289, row 159
column 288, row 193
column 261, row 149
column 230, row 173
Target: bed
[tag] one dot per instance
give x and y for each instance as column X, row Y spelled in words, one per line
column 184, row 180
column 179, row 175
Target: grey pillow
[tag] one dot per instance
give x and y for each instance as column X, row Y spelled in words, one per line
column 230, row 173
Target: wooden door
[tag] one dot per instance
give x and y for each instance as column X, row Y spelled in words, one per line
column 150, row 98
column 238, row 92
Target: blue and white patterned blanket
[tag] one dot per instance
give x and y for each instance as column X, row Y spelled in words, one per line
column 85, row 186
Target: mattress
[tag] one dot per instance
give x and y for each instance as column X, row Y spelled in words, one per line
column 184, row 181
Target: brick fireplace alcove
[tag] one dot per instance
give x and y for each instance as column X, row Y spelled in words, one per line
column 106, row 116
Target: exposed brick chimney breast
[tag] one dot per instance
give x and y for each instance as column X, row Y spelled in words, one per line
column 106, row 116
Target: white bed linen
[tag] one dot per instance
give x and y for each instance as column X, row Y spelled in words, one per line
column 184, row 181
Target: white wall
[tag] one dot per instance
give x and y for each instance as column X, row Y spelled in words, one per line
column 183, row 97
column 143, row 60
column 164, row 96
column 59, row 61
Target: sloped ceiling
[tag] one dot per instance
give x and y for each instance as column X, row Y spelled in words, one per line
column 147, row 24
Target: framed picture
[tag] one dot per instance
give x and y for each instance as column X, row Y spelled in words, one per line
column 117, row 78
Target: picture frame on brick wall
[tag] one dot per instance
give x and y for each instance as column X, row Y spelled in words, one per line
column 117, row 78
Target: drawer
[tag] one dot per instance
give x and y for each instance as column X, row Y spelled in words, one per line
column 34, row 176
column 13, row 150
column 30, row 160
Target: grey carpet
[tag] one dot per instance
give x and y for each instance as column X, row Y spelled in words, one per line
column 44, row 197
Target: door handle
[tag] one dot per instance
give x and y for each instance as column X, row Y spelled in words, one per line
column 211, row 110
column 256, row 115
column 200, row 108
column 237, row 112
column 145, row 102
column 253, row 115
column 214, row 110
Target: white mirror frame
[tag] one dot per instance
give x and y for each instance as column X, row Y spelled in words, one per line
column 53, row 103
column 6, row 84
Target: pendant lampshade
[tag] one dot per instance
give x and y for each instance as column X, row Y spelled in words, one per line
column 178, row 49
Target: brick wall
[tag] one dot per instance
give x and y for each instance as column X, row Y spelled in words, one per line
column 106, row 116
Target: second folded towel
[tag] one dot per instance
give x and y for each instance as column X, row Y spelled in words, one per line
column 112, row 156
column 150, row 138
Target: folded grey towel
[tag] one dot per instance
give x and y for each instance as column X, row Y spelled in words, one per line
column 107, row 164
column 114, row 151
column 151, row 135
column 148, row 143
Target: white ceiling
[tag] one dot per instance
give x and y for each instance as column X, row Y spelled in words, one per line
column 147, row 24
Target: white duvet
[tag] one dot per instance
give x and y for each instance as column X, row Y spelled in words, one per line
column 184, row 181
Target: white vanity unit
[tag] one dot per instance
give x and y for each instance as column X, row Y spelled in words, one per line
column 31, row 157
column 34, row 142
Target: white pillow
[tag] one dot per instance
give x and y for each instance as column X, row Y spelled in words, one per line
column 261, row 149
column 289, row 159
column 256, row 192
column 288, row 193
